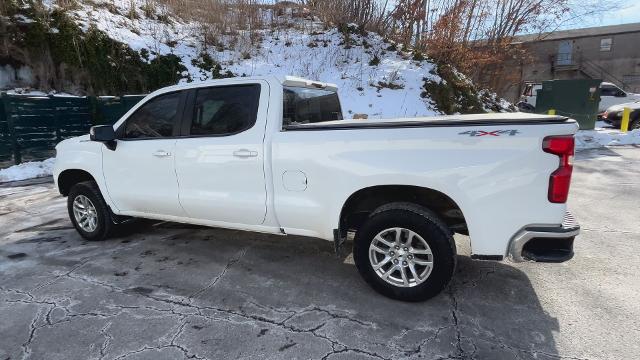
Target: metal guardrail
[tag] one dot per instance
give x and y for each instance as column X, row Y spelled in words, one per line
column 31, row 125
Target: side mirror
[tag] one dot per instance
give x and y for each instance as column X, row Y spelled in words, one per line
column 621, row 94
column 103, row 134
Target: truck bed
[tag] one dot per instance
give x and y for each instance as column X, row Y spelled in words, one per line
column 436, row 121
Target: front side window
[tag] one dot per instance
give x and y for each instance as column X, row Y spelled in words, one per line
column 154, row 119
column 608, row 90
column 305, row 105
column 225, row 110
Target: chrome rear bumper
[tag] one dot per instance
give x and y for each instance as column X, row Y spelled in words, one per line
column 545, row 243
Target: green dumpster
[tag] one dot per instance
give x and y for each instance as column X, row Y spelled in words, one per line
column 577, row 99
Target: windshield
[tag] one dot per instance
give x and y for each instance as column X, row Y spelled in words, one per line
column 305, row 105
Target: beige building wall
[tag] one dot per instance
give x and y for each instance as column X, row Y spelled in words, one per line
column 611, row 53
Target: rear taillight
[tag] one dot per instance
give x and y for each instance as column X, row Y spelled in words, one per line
column 561, row 178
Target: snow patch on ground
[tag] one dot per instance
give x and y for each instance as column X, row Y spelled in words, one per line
column 27, row 170
column 30, row 92
column 600, row 137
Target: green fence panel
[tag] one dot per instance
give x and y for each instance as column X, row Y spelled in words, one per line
column 31, row 126
column 38, row 123
column 6, row 147
column 111, row 108
column 74, row 116
column 32, row 119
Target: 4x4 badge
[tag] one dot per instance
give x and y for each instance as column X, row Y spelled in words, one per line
column 490, row 133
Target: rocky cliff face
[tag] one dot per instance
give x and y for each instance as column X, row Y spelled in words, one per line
column 45, row 48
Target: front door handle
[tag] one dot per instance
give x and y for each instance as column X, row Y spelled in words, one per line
column 161, row 153
column 244, row 153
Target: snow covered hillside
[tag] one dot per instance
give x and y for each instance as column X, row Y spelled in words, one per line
column 374, row 77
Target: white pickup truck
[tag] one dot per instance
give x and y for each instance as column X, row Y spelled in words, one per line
column 274, row 155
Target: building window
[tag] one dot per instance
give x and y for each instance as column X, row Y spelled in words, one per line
column 605, row 44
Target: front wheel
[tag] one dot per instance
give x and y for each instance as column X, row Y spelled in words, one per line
column 89, row 212
column 405, row 252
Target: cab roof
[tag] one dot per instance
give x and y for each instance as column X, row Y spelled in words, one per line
column 283, row 80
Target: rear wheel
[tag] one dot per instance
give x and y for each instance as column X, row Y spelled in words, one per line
column 405, row 252
column 89, row 212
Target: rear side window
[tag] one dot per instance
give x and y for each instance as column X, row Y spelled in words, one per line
column 304, row 106
column 225, row 110
column 154, row 119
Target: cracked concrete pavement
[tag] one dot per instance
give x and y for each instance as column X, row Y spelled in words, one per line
column 170, row 291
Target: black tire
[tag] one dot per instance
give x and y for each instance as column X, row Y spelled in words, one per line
column 426, row 224
column 105, row 223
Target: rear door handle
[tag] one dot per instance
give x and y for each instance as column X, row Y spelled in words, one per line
column 244, row 153
column 161, row 153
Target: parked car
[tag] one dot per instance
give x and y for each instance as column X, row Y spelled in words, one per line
column 610, row 95
column 613, row 115
column 274, row 155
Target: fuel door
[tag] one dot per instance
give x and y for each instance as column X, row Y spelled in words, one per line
column 294, row 180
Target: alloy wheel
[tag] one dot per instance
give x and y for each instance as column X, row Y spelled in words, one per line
column 85, row 213
column 401, row 257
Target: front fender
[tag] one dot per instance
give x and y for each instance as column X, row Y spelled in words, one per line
column 82, row 154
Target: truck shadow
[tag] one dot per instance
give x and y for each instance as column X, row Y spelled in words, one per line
column 588, row 154
column 500, row 309
column 490, row 309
